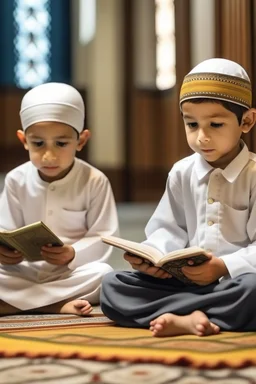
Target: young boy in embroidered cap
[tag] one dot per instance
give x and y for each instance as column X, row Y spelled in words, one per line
column 209, row 201
column 73, row 198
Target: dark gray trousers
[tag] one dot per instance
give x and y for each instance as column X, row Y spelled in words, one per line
column 133, row 299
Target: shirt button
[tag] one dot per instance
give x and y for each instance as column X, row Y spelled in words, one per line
column 50, row 212
column 210, row 200
column 52, row 188
column 210, row 222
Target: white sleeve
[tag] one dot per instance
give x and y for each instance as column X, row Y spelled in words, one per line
column 11, row 216
column 101, row 220
column 166, row 229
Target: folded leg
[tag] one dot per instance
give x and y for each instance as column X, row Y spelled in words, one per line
column 134, row 299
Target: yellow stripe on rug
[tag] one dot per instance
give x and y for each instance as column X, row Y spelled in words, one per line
column 112, row 343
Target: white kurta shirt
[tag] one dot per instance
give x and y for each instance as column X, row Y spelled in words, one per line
column 211, row 208
column 78, row 209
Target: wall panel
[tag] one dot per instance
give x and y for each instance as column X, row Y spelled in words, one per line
column 154, row 128
column 235, row 40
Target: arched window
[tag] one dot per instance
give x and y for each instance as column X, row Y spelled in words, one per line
column 165, row 44
column 154, row 43
column 32, row 22
column 35, row 42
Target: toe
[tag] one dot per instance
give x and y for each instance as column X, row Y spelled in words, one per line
column 81, row 303
column 86, row 311
column 200, row 328
column 215, row 328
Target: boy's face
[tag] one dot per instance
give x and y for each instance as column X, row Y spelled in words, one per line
column 52, row 147
column 214, row 132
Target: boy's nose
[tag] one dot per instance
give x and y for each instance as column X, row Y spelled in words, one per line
column 49, row 156
column 203, row 137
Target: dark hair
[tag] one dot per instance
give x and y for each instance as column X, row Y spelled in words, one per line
column 237, row 109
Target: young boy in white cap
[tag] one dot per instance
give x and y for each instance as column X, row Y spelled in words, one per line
column 209, row 201
column 73, row 198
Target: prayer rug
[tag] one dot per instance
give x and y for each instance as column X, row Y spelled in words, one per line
column 97, row 338
column 41, row 321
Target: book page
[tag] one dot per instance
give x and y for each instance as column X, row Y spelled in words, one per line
column 185, row 253
column 137, row 249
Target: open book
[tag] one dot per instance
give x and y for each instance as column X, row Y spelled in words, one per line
column 29, row 239
column 172, row 262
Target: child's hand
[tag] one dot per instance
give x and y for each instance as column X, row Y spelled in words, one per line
column 142, row 266
column 59, row 255
column 208, row 272
column 9, row 256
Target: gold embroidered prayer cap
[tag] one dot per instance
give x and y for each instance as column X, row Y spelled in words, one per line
column 220, row 79
column 58, row 102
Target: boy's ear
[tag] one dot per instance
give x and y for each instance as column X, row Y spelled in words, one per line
column 83, row 138
column 248, row 120
column 22, row 138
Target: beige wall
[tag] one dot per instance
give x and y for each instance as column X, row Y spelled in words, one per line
column 144, row 44
column 98, row 67
column 202, row 30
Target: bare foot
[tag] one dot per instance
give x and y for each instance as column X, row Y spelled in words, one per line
column 77, row 307
column 197, row 323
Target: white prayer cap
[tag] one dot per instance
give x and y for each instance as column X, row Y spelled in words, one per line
column 53, row 102
column 220, row 79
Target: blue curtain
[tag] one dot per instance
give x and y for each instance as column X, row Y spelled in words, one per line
column 60, row 36
column 6, row 43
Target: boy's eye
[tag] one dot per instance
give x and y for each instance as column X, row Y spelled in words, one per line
column 37, row 143
column 216, row 125
column 61, row 144
column 192, row 125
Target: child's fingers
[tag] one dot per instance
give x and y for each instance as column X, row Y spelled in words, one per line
column 133, row 259
column 9, row 252
column 161, row 274
column 6, row 260
column 51, row 249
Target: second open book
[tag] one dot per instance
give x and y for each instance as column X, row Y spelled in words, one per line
column 172, row 262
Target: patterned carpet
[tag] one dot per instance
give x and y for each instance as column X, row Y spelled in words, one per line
column 30, row 322
column 77, row 371
column 74, row 350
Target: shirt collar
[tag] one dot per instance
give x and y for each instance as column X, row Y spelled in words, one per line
column 231, row 172
column 202, row 168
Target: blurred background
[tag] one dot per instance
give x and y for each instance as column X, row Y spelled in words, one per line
column 128, row 59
